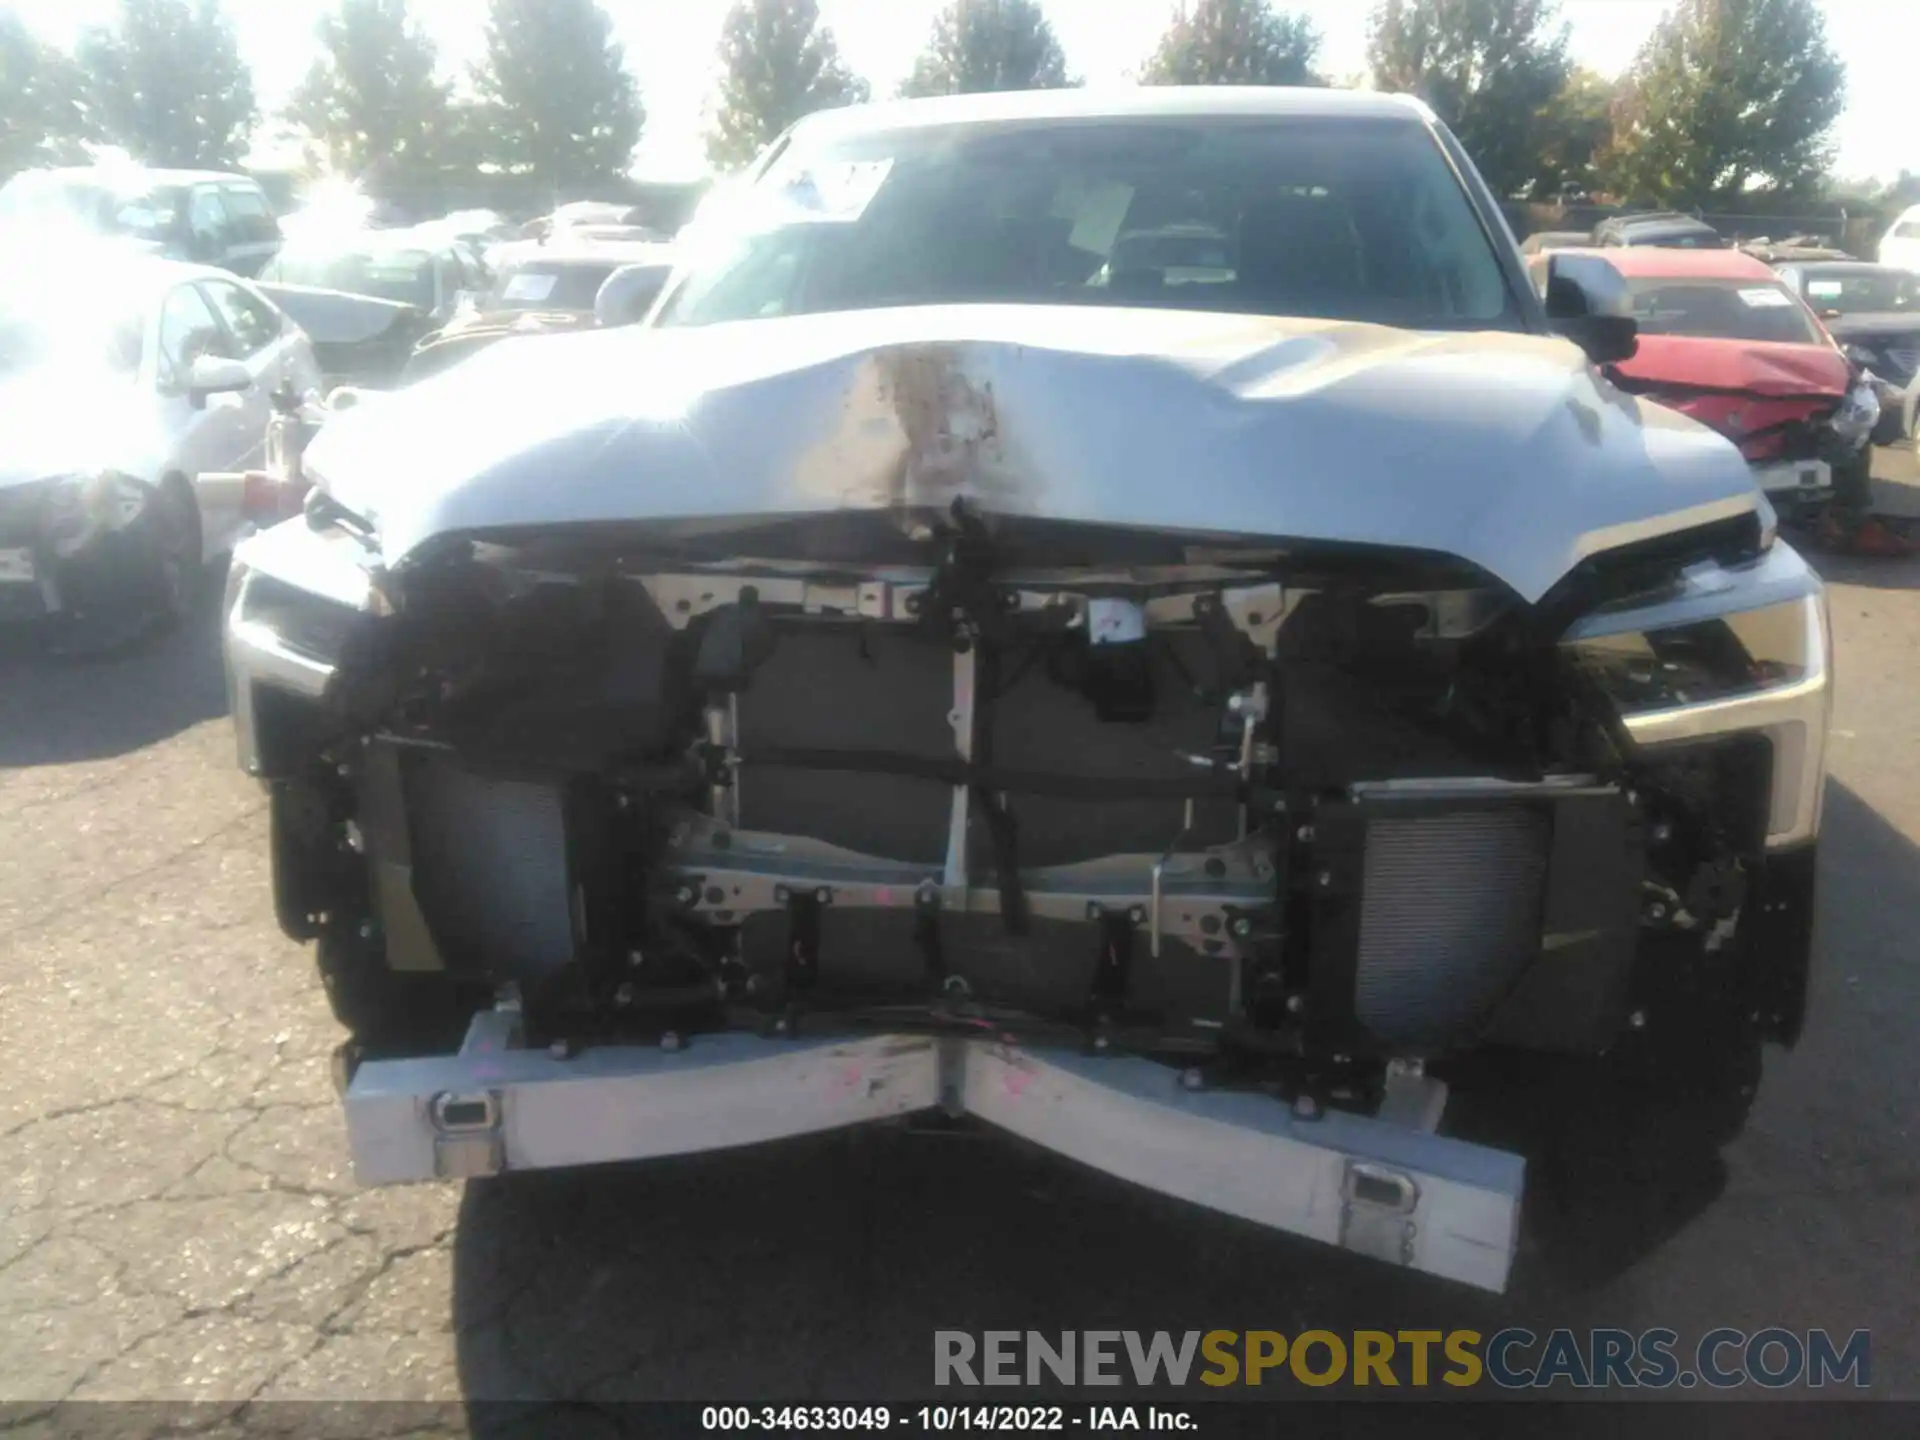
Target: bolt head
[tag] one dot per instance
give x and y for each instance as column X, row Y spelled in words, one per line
column 1243, row 927
column 1138, row 914
column 671, row 1040
column 1192, row 1079
column 1094, row 911
column 1324, row 879
column 623, row 996
column 823, row 895
column 1637, row 1020
column 1656, row 911
column 1102, row 1043
column 1305, row 1107
column 686, row 895
column 1304, row 834
column 561, row 1049
column 1296, row 1003
column 781, row 895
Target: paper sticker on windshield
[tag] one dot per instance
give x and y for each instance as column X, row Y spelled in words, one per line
column 1825, row 289
column 1766, row 299
column 1102, row 212
column 529, row 286
column 837, row 192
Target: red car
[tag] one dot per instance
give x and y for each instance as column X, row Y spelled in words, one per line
column 1721, row 339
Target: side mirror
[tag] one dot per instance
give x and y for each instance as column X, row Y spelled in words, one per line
column 213, row 375
column 1587, row 318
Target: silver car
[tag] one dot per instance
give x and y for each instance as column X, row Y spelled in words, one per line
column 1203, row 726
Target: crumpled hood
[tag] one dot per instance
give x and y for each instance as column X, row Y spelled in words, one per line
column 63, row 421
column 1771, row 370
column 1505, row 450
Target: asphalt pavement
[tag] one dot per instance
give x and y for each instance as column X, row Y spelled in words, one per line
column 177, row 1219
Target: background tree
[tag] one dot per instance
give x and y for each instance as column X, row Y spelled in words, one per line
column 1491, row 69
column 561, row 106
column 372, row 95
column 1575, row 128
column 1725, row 95
column 166, row 84
column 980, row 45
column 780, row 63
column 42, row 118
column 1234, row 42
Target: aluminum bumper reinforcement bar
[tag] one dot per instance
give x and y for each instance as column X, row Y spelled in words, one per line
column 1389, row 1188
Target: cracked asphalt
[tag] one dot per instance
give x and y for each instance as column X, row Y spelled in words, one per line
column 178, row 1222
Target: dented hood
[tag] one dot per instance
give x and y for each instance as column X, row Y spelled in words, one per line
column 1505, row 450
column 1773, row 371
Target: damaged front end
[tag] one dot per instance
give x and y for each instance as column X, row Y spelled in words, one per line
column 1297, row 824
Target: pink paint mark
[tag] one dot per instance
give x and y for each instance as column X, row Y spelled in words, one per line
column 1018, row 1081
column 884, row 895
column 849, row 1077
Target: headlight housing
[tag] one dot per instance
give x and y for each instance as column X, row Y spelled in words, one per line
column 1744, row 651
column 1853, row 422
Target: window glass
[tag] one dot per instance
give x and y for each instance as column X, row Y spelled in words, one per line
column 188, row 330
column 404, row 275
column 1346, row 219
column 1859, row 292
column 1721, row 310
column 206, row 217
column 253, row 325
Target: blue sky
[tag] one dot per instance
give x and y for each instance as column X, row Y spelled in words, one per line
column 670, row 45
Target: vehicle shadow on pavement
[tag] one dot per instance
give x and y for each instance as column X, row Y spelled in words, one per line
column 58, row 709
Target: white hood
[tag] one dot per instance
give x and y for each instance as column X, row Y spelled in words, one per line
column 1504, row 450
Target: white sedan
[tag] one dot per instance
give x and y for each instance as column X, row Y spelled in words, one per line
column 133, row 393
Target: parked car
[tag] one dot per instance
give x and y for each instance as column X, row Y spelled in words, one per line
column 127, row 381
column 359, row 340
column 1872, row 310
column 548, row 289
column 434, row 274
column 1541, row 241
column 1901, row 245
column 1658, row 227
column 1196, row 730
column 206, row 217
column 1724, row 340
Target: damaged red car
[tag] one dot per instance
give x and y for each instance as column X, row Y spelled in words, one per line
column 1723, row 341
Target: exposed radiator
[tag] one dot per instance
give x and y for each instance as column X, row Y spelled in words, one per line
column 490, row 869
column 1451, row 914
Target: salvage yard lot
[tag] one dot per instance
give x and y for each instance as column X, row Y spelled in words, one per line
column 178, row 1220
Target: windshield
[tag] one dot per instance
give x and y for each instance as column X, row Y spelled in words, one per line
column 547, row 285
column 1347, row 220
column 1863, row 292
column 46, row 329
column 405, row 275
column 1757, row 310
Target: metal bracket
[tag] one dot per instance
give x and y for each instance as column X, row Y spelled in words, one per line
column 466, row 1134
column 803, row 939
column 1377, row 1204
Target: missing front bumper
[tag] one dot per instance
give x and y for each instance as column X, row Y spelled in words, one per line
column 1394, row 1191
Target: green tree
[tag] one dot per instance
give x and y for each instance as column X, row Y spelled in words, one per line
column 1725, row 96
column 42, row 117
column 980, row 45
column 1234, row 42
column 781, row 63
column 372, row 96
column 1491, row 69
column 167, row 84
column 562, row 108
column 1574, row 129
